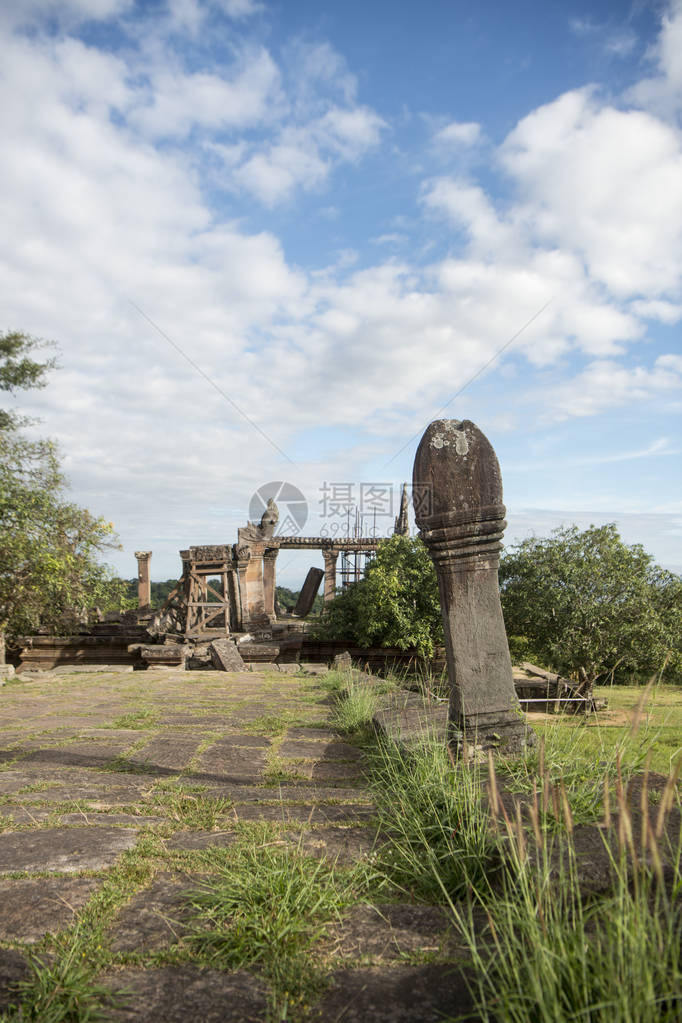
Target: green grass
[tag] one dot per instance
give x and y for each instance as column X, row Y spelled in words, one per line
column 438, row 833
column 266, row 909
column 63, row 992
column 552, row 955
column 135, row 719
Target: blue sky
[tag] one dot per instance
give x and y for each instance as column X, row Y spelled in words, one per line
column 339, row 213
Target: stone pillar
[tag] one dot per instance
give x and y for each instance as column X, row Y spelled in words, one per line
column 144, row 586
column 330, row 559
column 306, row 597
column 242, row 555
column 270, row 580
column 462, row 526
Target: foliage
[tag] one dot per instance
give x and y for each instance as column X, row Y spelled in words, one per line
column 267, row 908
column 159, row 591
column 60, row 992
column 49, row 573
column 438, row 837
column 395, row 604
column 286, row 598
column 551, row 955
column 585, row 600
column 18, row 371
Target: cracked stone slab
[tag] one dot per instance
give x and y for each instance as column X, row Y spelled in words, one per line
column 328, row 771
column 188, row 840
column 167, row 752
column 279, row 793
column 64, row 850
column 399, row 994
column 319, row 750
column 129, row 820
column 229, row 761
column 177, row 994
column 344, row 845
column 155, row 917
column 341, row 814
column 320, row 734
column 14, row 968
column 389, row 932
column 16, row 816
column 31, row 908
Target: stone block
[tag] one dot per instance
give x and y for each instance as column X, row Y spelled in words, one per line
column 225, row 656
column 306, row 597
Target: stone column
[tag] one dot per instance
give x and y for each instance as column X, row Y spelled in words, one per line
column 330, row 559
column 242, row 555
column 462, row 526
column 270, row 580
column 144, row 587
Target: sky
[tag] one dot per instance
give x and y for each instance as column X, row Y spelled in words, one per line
column 274, row 240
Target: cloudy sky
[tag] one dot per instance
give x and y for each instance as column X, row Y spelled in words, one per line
column 274, row 240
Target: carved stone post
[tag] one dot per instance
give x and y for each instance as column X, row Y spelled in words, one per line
column 270, row 580
column 330, row 559
column 462, row 526
column 144, row 586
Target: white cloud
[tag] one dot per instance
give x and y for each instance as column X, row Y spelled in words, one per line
column 179, row 101
column 458, row 133
column 606, row 384
column 606, row 184
column 662, row 92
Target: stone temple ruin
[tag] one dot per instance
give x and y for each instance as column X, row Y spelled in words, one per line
column 222, row 612
column 244, row 599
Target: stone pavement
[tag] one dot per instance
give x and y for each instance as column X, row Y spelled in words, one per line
column 118, row 789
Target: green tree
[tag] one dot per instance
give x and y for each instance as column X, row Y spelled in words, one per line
column 18, row 371
column 395, row 604
column 49, row 569
column 589, row 605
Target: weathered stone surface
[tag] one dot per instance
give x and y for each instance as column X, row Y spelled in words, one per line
column 401, row 994
column 342, row 845
column 308, row 749
column 315, row 814
column 389, row 932
column 66, row 850
column 408, row 719
column 30, row 909
column 14, row 968
column 306, row 597
column 201, row 839
column 6, row 671
column 178, row 994
column 155, row 917
column 343, row 662
column 232, row 763
column 462, row 525
column 167, row 751
column 225, row 655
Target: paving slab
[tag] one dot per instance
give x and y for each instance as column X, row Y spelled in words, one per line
column 179, row 994
column 342, row 845
column 391, row 932
column 155, row 917
column 336, row 814
column 328, row 771
column 319, row 750
column 14, row 968
column 398, row 994
column 31, row 908
column 188, row 840
column 64, row 850
column 225, row 760
column 170, row 752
